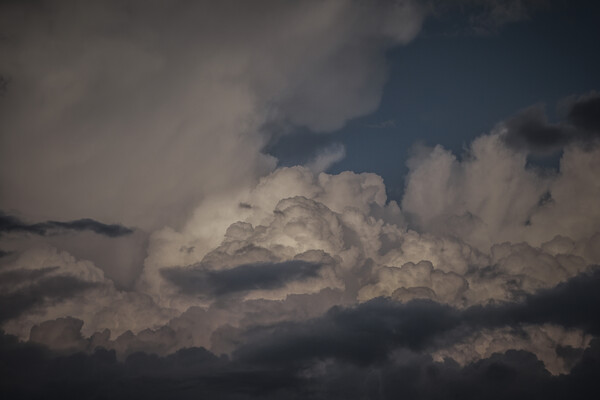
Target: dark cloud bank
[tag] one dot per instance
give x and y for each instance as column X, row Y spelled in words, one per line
column 46, row 291
column 373, row 350
column 12, row 224
column 243, row 278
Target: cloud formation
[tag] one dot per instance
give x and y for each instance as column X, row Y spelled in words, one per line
column 335, row 239
column 245, row 279
column 114, row 86
column 12, row 224
column 531, row 131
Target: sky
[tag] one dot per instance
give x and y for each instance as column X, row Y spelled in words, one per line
column 299, row 199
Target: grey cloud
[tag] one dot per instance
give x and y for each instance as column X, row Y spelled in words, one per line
column 12, row 224
column 363, row 335
column 59, row 334
column 585, row 114
column 374, row 349
column 31, row 371
column 87, row 224
column 3, row 84
column 17, row 276
column 112, row 86
column 368, row 333
column 45, row 290
column 572, row 304
column 530, row 130
column 259, row 276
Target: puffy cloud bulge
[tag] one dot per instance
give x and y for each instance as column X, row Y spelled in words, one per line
column 158, row 120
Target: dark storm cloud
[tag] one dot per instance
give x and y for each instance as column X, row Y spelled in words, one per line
column 361, row 335
column 530, row 130
column 31, row 371
column 369, row 332
column 369, row 351
column 15, row 277
column 585, row 114
column 572, row 304
column 12, row 224
column 260, row 276
column 51, row 289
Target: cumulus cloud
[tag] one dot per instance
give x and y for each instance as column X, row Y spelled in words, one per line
column 249, row 280
column 300, row 242
column 49, row 290
column 43, row 283
column 369, row 332
column 491, row 195
column 380, row 340
column 558, row 348
column 336, row 239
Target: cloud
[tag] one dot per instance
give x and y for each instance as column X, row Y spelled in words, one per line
column 42, row 283
column 326, row 157
column 247, row 280
column 362, row 335
column 59, row 334
column 143, row 111
column 117, row 250
column 243, row 278
column 360, row 242
column 41, row 294
column 191, row 372
column 490, row 195
column 12, row 224
column 371, row 332
column 302, row 277
column 571, row 304
column 584, row 114
column 558, row 348
column 530, row 130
